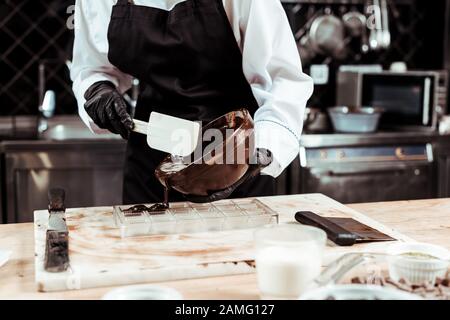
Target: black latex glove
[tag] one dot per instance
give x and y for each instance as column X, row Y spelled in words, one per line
column 263, row 159
column 107, row 108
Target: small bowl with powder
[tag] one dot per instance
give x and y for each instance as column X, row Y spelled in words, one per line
column 418, row 263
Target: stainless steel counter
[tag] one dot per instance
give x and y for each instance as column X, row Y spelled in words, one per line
column 67, row 154
column 59, row 128
column 90, row 166
column 68, row 145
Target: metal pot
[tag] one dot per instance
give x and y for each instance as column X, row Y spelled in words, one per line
column 355, row 120
column 327, row 35
column 356, row 23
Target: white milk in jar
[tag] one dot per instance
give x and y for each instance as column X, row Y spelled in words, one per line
column 286, row 272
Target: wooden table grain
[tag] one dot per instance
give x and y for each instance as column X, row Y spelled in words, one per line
column 424, row 220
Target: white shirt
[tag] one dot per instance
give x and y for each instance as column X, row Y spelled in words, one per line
column 271, row 64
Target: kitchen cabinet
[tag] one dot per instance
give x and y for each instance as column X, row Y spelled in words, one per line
column 90, row 171
column 444, row 178
column 443, row 163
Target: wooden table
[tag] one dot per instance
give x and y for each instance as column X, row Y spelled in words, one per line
column 425, row 220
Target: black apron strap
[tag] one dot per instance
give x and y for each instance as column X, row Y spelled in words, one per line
column 124, row 2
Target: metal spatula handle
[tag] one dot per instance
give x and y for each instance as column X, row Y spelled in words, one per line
column 140, row 126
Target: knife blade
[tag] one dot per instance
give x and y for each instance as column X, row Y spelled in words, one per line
column 334, row 232
column 57, row 235
column 342, row 231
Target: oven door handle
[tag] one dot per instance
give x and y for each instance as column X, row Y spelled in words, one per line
column 347, row 172
column 426, row 102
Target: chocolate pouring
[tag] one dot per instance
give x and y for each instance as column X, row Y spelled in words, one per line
column 210, row 172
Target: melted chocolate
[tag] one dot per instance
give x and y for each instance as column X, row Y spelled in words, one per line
column 161, row 206
column 200, row 177
column 155, row 209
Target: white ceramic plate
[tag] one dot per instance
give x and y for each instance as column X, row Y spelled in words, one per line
column 143, row 292
column 4, row 257
column 358, row 292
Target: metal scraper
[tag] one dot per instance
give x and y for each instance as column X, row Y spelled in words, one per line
column 57, row 236
column 169, row 134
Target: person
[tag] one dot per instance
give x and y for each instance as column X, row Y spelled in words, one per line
column 197, row 60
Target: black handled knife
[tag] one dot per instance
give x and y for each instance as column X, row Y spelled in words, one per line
column 342, row 231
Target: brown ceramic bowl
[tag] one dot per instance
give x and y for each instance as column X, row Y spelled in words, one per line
column 210, row 172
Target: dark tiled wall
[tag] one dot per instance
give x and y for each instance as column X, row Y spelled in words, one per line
column 35, row 31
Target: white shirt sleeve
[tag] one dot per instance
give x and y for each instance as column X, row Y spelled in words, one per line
column 90, row 53
column 272, row 65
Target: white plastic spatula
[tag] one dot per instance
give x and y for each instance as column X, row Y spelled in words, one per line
column 169, row 134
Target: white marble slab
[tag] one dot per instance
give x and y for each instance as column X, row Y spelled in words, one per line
column 100, row 257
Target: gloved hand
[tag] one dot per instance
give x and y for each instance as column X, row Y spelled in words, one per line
column 263, row 159
column 107, row 108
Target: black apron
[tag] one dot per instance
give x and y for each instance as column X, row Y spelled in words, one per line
column 190, row 66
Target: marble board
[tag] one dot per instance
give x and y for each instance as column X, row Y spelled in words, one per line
column 100, row 257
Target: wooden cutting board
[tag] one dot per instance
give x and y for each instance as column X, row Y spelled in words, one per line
column 100, row 257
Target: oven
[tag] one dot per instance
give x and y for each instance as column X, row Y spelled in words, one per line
column 369, row 174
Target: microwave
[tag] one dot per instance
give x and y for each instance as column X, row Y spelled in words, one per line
column 409, row 100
